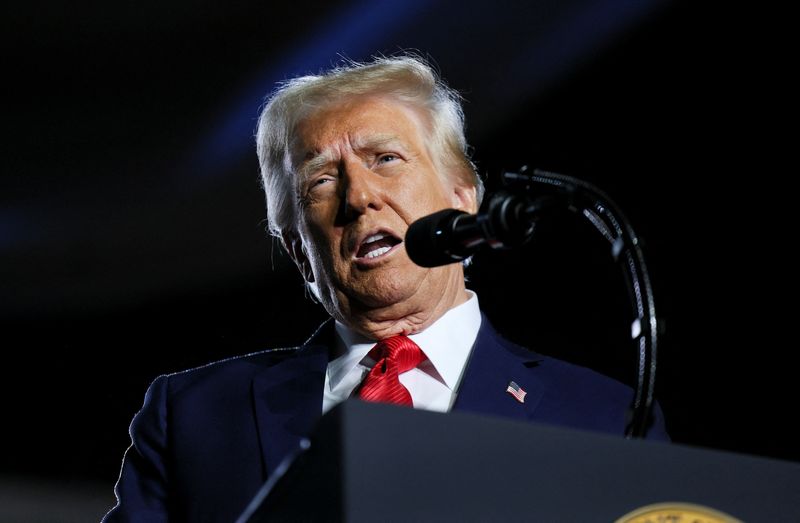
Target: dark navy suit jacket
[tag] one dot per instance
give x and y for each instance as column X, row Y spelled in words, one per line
column 206, row 439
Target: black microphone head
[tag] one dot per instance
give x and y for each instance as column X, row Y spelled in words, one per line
column 427, row 239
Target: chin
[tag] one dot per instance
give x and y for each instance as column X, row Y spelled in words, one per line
column 386, row 292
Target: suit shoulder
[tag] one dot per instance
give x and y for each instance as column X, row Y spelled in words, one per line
column 235, row 369
column 561, row 374
column 580, row 397
column 234, row 374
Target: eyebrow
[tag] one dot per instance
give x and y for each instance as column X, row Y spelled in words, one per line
column 374, row 141
column 315, row 162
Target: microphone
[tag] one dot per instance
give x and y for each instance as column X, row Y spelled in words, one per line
column 450, row 235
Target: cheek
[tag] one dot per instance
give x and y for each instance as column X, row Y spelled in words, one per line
column 322, row 244
column 423, row 192
column 431, row 197
column 314, row 221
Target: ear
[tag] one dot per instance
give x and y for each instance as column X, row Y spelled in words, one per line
column 465, row 198
column 293, row 244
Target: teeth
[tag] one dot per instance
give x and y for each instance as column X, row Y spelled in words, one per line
column 377, row 252
column 376, row 237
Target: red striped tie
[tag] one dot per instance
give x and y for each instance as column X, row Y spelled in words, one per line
column 394, row 356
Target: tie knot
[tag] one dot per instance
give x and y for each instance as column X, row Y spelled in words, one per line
column 401, row 350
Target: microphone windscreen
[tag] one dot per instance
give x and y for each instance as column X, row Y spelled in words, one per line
column 428, row 240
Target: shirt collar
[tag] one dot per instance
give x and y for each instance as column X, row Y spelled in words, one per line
column 351, row 348
column 447, row 343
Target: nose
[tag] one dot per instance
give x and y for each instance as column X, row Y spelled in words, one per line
column 361, row 189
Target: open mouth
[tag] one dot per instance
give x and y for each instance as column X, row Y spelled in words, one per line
column 377, row 245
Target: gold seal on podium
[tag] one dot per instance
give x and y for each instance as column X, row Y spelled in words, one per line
column 676, row 513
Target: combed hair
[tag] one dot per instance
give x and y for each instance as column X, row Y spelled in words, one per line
column 409, row 79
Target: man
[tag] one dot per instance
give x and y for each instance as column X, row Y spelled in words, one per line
column 349, row 160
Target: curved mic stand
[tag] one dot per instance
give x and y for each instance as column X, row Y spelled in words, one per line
column 592, row 203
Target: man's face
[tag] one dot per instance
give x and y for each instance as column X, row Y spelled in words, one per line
column 364, row 174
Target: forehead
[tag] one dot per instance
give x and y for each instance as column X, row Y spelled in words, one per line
column 354, row 122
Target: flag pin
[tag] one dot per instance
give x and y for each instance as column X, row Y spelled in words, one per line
column 516, row 391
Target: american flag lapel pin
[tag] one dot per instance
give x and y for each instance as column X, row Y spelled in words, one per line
column 516, row 391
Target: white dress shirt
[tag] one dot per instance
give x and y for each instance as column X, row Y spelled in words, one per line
column 434, row 383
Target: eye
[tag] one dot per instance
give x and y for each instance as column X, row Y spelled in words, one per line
column 319, row 184
column 387, row 158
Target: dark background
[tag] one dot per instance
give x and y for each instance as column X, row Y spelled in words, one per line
column 132, row 240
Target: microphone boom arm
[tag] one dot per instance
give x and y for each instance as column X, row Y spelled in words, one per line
column 592, row 203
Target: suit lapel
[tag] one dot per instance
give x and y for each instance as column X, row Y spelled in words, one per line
column 288, row 398
column 492, row 366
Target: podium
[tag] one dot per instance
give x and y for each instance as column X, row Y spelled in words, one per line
column 372, row 462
